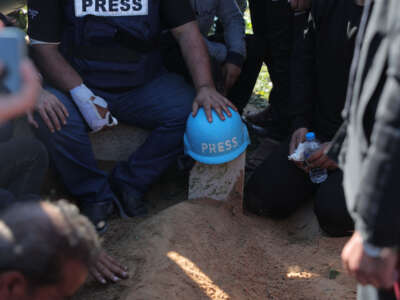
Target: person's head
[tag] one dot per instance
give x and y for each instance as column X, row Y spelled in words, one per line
column 45, row 251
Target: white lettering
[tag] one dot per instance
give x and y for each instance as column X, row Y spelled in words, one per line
column 213, row 148
column 111, row 8
column 235, row 143
column 228, row 145
column 204, row 147
column 221, row 147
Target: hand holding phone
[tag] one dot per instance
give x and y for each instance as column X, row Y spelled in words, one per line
column 12, row 51
column 13, row 105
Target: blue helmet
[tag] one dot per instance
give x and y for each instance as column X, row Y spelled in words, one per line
column 217, row 142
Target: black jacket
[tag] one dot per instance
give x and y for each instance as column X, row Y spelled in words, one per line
column 322, row 65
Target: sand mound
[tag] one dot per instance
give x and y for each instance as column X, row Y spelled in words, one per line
column 206, row 250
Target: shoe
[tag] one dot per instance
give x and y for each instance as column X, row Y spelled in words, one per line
column 98, row 214
column 262, row 118
column 127, row 202
column 272, row 130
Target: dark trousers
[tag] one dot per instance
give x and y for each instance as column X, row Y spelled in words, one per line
column 371, row 293
column 23, row 165
column 162, row 105
column 273, row 22
column 243, row 88
column 278, row 188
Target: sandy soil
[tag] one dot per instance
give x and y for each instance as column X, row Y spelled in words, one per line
column 204, row 250
column 210, row 250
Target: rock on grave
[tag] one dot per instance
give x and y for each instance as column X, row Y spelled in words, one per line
column 117, row 143
column 224, row 182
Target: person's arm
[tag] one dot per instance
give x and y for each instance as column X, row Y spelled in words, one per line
column 54, row 68
column 234, row 35
column 302, row 87
column 377, row 202
column 303, row 78
column 196, row 57
column 233, row 24
column 45, row 31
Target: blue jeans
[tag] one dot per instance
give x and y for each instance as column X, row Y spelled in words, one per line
column 161, row 105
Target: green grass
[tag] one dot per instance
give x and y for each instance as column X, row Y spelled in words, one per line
column 263, row 86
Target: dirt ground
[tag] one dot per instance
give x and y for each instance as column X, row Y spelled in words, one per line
column 203, row 250
column 211, row 250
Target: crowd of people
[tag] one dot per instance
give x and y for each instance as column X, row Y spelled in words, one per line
column 334, row 68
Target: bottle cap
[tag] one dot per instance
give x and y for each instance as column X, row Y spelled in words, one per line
column 310, row 136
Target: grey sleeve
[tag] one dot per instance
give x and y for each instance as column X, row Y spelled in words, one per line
column 218, row 51
column 233, row 24
column 377, row 201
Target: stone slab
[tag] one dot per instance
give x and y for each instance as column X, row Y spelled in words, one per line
column 118, row 143
column 223, row 182
column 114, row 144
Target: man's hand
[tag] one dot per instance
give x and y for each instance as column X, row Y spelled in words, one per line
column 320, row 160
column 298, row 137
column 51, row 110
column 300, row 5
column 108, row 269
column 379, row 272
column 208, row 98
column 230, row 73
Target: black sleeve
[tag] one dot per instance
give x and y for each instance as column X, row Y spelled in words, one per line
column 175, row 13
column 45, row 20
column 303, row 77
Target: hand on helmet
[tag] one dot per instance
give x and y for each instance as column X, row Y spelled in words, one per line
column 208, row 98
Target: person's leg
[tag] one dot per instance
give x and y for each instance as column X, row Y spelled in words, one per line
column 277, row 187
column 273, row 22
column 243, row 88
column 330, row 207
column 71, row 153
column 162, row 105
column 24, row 163
column 370, row 293
column 279, row 42
column 258, row 14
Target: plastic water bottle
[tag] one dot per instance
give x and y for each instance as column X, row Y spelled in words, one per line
column 317, row 175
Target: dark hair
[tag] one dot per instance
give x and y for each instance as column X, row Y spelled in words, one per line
column 37, row 245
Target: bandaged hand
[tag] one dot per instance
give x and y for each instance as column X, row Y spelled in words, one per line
column 93, row 108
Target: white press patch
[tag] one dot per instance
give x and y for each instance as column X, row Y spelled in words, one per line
column 111, row 8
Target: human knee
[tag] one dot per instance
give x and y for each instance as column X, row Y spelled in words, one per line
column 334, row 222
column 40, row 153
column 265, row 204
column 34, row 152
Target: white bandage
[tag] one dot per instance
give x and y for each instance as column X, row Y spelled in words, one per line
column 87, row 102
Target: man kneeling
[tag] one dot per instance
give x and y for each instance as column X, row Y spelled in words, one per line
column 278, row 187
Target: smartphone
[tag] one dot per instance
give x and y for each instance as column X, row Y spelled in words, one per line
column 13, row 49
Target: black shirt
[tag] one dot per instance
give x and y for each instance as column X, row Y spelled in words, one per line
column 322, row 66
column 46, row 17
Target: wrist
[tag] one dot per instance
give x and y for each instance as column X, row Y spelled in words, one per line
column 81, row 92
column 205, row 86
column 371, row 250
